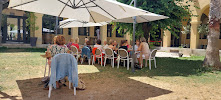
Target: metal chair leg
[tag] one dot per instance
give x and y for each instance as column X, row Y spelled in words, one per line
column 46, row 66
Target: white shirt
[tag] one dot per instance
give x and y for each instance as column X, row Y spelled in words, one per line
column 99, row 46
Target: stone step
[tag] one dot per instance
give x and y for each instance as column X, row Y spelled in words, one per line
column 15, row 45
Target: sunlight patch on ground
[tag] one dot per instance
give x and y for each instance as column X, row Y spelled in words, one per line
column 87, row 69
column 193, row 91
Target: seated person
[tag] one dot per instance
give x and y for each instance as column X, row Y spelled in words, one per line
column 85, row 41
column 135, row 49
column 98, row 45
column 116, row 44
column 88, row 45
column 70, row 43
column 105, row 45
column 123, row 45
column 60, row 47
column 76, row 41
column 111, row 45
column 128, row 45
column 144, row 50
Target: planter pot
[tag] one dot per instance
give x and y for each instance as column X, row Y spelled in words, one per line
column 180, row 55
column 0, row 39
column 205, row 46
column 33, row 41
column 201, row 46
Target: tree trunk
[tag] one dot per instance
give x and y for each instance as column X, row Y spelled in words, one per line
column 212, row 58
column 146, row 28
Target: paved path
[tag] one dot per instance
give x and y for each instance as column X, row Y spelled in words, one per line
column 168, row 54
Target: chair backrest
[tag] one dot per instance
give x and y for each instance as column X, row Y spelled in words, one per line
column 98, row 52
column 153, row 53
column 123, row 53
column 109, row 52
column 74, row 49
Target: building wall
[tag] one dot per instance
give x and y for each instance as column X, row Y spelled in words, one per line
column 13, row 12
column 195, row 42
column 103, row 32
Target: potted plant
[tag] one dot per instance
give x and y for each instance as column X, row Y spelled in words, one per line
column 204, row 30
column 186, row 30
column 180, row 54
column 30, row 22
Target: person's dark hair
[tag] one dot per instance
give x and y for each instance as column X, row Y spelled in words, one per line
column 99, row 41
column 60, row 40
column 123, row 41
column 88, row 43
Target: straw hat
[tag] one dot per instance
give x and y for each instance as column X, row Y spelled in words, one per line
column 47, row 54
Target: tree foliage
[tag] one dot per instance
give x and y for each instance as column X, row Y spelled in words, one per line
column 176, row 10
column 203, row 29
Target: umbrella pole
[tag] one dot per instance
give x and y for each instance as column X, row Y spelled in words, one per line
column 1, row 4
column 56, row 29
column 133, row 40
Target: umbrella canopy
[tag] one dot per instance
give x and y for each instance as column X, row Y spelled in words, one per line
column 142, row 18
column 86, row 10
column 69, row 23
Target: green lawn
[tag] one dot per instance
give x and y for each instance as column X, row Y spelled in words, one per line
column 21, row 64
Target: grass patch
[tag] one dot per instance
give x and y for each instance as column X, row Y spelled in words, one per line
column 5, row 49
column 26, row 63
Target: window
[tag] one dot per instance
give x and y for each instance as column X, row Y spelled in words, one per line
column 119, row 34
column 85, row 31
column 109, row 30
column 48, row 24
column 188, row 36
column 69, row 31
column 95, row 29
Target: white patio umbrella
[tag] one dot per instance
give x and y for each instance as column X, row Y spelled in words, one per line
column 142, row 18
column 86, row 10
column 69, row 23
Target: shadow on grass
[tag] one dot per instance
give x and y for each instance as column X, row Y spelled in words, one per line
column 5, row 49
column 165, row 67
column 100, row 88
column 6, row 96
column 177, row 67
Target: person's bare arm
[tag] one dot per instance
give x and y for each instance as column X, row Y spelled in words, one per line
column 139, row 48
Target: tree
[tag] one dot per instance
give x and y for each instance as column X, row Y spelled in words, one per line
column 175, row 9
column 186, row 30
column 203, row 29
column 212, row 58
